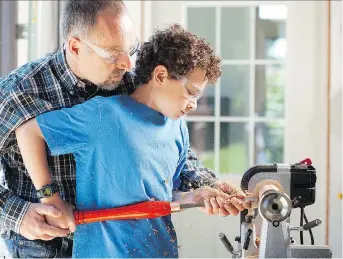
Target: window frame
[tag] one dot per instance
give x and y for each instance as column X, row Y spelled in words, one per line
column 251, row 119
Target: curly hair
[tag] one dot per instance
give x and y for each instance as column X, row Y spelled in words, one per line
column 180, row 52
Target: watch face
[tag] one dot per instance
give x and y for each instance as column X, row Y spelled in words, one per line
column 47, row 191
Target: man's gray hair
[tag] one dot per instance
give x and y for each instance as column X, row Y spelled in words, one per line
column 80, row 16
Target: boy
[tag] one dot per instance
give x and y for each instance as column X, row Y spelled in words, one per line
column 173, row 68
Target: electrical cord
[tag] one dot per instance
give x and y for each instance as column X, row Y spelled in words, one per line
column 301, row 224
column 302, row 218
column 310, row 230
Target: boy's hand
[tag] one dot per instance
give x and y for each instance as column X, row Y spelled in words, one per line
column 66, row 221
column 231, row 189
column 216, row 201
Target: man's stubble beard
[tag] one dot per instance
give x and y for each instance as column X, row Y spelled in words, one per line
column 108, row 85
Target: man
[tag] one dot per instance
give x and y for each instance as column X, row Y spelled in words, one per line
column 77, row 72
column 148, row 159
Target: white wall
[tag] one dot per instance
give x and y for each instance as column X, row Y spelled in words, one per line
column 47, row 38
column 335, row 236
column 135, row 11
column 305, row 105
column 306, row 130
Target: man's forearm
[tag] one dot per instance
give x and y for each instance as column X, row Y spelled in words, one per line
column 195, row 175
column 12, row 210
column 178, row 195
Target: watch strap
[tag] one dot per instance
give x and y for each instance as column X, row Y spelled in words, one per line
column 47, row 190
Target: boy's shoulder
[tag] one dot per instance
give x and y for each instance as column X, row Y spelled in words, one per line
column 183, row 125
column 115, row 104
column 114, row 100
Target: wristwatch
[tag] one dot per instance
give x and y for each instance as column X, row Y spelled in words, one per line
column 47, row 190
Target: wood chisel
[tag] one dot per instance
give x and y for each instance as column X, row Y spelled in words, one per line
column 143, row 210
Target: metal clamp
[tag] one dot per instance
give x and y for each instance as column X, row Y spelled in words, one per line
column 308, row 226
column 228, row 245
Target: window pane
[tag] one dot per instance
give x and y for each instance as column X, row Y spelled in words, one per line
column 270, row 91
column 201, row 137
column 235, row 33
column 234, row 147
column 270, row 32
column 206, row 103
column 269, row 143
column 201, row 21
column 234, row 95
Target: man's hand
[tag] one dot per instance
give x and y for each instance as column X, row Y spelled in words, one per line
column 231, row 189
column 34, row 226
column 66, row 220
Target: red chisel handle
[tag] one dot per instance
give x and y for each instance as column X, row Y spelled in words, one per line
column 143, row 210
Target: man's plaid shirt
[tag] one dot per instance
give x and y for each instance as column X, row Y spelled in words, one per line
column 40, row 86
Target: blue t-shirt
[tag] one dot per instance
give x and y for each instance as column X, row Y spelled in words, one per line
column 125, row 153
